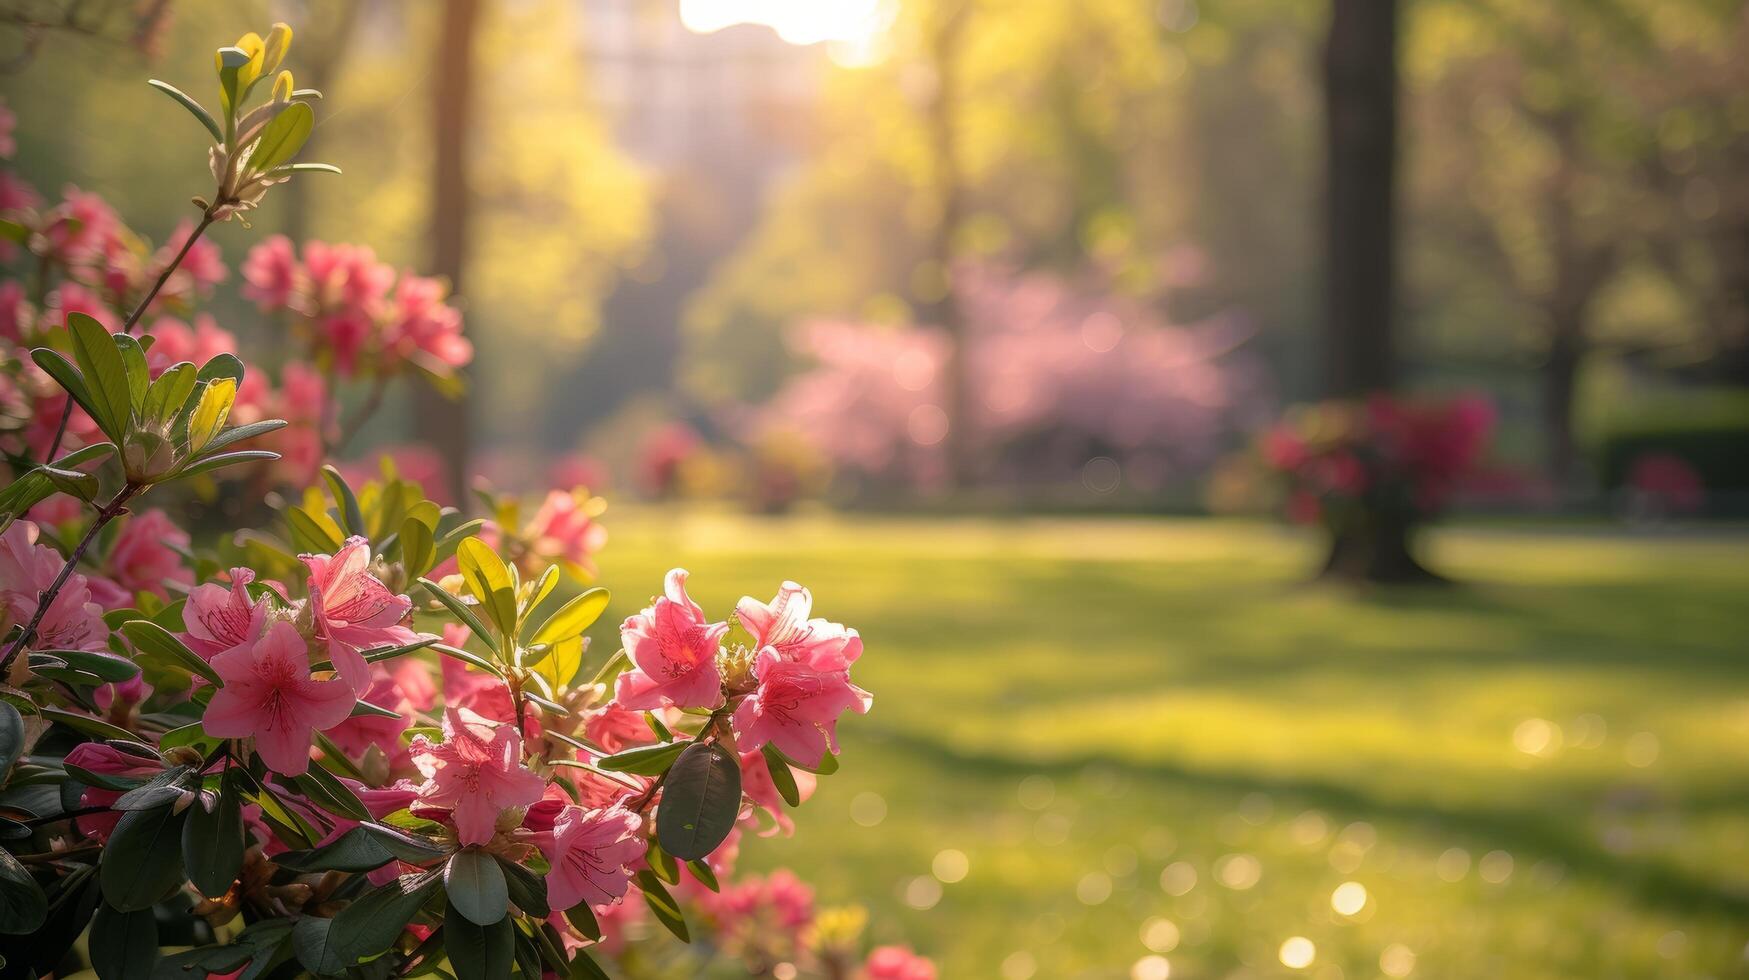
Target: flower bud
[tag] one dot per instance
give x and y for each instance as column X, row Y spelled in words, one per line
column 251, row 45
column 274, row 49
column 282, row 86
column 148, row 455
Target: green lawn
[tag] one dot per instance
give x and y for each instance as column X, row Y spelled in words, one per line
column 1541, row 773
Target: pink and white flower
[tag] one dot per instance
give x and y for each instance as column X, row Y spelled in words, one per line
column 220, row 619
column 590, row 852
column 796, row 708
column 353, row 610
column 475, row 774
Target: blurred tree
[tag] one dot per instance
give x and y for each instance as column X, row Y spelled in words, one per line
column 32, row 22
column 1583, row 162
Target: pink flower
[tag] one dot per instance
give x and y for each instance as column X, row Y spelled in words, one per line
column 353, row 610
column 269, row 694
column 796, row 708
column 14, row 311
column 345, row 277
column 564, row 529
column 200, row 270
column 475, row 773
column 615, row 727
column 897, row 963
column 783, row 625
column 345, row 335
column 220, row 619
column 355, row 735
column 147, row 555
column 70, row 297
column 589, row 851
column 423, row 323
column 175, row 341
column 27, row 569
column 77, row 228
column 271, row 273
column 107, row 760
column 674, row 653
column 757, row 785
column 775, row 907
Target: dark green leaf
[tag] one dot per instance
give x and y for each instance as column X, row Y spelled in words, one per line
column 373, row 921
column 95, row 727
column 700, row 801
column 663, row 904
column 478, row 952
column 143, row 860
column 781, row 776
column 352, row 518
column 475, row 885
column 124, row 945
column 313, row 942
column 328, row 792
column 105, row 373
column 582, row 918
column 165, row 788
column 212, row 844
column 105, row 665
column 584, row 968
column 11, row 738
column 527, row 889
column 68, row 377
column 23, row 906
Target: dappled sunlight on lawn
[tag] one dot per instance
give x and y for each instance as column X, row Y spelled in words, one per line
column 1114, row 724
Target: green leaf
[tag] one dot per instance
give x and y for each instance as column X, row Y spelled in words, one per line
column 306, row 168
column 95, row 727
column 582, row 918
column 700, row 801
column 11, row 738
column 23, row 906
column 417, row 547
column 478, row 952
column 283, row 137
column 108, row 666
column 328, row 792
column 466, row 657
column 374, row 920
column 133, row 358
column 143, row 860
column 100, row 361
column 194, row 108
column 124, row 945
column 611, row 669
column 528, row 891
column 475, row 885
column 488, row 578
column 645, row 760
column 242, row 432
column 80, row 457
column 584, row 968
column 572, row 618
column 311, row 534
column 662, row 863
column 68, row 377
column 781, row 776
column 663, row 904
column 461, row 612
column 365, row 847
column 228, row 61
column 212, row 844
column 827, row 766
column 153, row 640
column 314, row 943
column 352, row 517
column 704, row 874
column 163, row 789
column 207, row 464
column 166, row 396
column 74, row 483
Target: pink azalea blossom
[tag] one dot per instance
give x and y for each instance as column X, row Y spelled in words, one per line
column 220, row 619
column 616, row 727
column 564, row 529
column 270, row 695
column 357, row 734
column 354, row 611
column 345, row 277
column 70, row 297
column 897, row 963
column 14, row 311
column 271, row 273
column 421, row 322
column 76, row 229
column 27, row 569
column 783, row 625
column 175, row 341
column 107, row 760
column 590, row 851
column 796, row 708
column 147, row 555
column 673, row 650
column 475, row 773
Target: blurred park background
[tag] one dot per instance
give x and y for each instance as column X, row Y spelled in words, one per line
column 970, row 315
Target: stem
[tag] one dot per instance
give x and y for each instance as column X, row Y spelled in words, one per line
column 350, row 425
column 105, row 514
column 206, row 220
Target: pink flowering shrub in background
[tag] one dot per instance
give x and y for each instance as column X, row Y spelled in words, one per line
column 367, row 734
column 1059, row 373
column 1399, row 455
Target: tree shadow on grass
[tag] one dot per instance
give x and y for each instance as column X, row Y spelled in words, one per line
column 1650, row 882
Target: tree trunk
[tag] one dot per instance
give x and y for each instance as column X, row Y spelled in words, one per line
column 944, row 311
column 443, row 423
column 1360, row 100
column 1360, row 103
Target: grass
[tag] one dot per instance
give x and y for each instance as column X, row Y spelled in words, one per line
column 1124, row 723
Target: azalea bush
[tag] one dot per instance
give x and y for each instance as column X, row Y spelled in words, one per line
column 1372, row 470
column 366, row 735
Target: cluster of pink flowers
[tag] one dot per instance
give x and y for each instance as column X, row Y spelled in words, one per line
column 356, row 313
column 1059, row 372
column 794, row 681
column 1407, row 454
